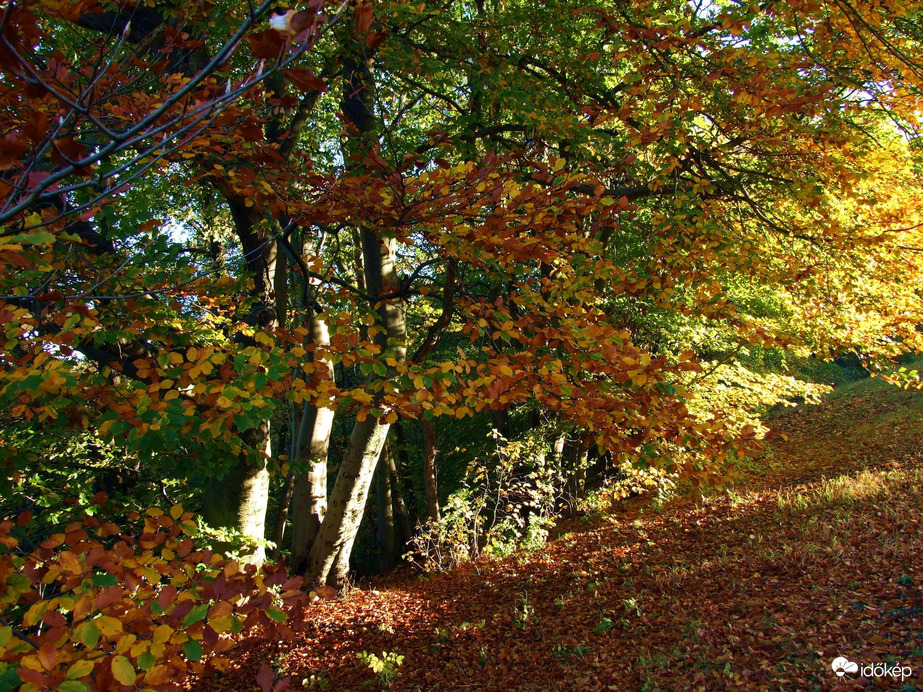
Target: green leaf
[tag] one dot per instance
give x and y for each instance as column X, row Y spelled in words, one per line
column 276, row 615
column 104, row 579
column 197, row 613
column 192, row 649
column 89, row 634
column 73, row 686
column 237, row 625
column 9, row 679
column 38, row 237
column 5, row 634
column 146, row 660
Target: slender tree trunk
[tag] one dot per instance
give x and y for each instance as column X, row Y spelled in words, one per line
column 309, row 503
column 575, row 456
column 402, row 461
column 278, row 532
column 329, row 559
column 430, row 451
column 386, row 534
column 399, row 508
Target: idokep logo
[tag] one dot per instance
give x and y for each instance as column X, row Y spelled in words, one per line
column 843, row 666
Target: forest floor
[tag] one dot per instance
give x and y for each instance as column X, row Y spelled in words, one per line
column 819, row 555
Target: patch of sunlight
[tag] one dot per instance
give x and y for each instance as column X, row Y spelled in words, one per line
column 852, row 488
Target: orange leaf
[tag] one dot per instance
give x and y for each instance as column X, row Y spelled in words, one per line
column 48, row 656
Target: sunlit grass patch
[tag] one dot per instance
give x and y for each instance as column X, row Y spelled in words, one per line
column 852, row 488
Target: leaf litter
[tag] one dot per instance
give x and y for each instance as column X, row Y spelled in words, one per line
column 817, row 555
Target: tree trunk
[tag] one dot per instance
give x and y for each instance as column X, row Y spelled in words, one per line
column 310, row 493
column 402, row 461
column 238, row 500
column 575, row 456
column 430, row 452
column 399, row 508
column 386, row 534
column 329, row 559
column 278, row 532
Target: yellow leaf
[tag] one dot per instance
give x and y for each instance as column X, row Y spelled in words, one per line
column 123, row 671
column 265, row 339
column 162, row 634
column 34, row 614
column 80, row 669
column 109, row 627
column 125, row 643
column 220, row 625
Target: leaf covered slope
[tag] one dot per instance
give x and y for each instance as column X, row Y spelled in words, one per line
column 760, row 588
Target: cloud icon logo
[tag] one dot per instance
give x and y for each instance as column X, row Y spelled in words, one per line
column 843, row 665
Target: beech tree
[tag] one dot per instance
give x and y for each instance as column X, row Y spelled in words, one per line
column 211, row 213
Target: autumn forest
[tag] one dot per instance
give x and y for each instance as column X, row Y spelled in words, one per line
column 498, row 344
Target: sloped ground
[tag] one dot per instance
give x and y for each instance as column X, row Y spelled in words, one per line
column 819, row 556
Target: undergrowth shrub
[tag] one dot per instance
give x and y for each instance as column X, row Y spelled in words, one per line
column 507, row 502
column 91, row 607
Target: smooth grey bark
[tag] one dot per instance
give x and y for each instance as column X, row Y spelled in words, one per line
column 309, row 498
column 329, row 558
column 238, row 500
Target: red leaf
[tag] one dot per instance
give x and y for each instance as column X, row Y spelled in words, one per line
column 108, row 596
column 33, row 676
column 301, row 21
column 306, row 80
column 54, row 619
column 265, row 678
column 251, row 132
column 67, row 150
column 48, row 657
column 166, row 596
column 209, row 637
column 267, row 44
column 11, row 149
column 363, row 15
column 375, row 39
column 36, row 126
